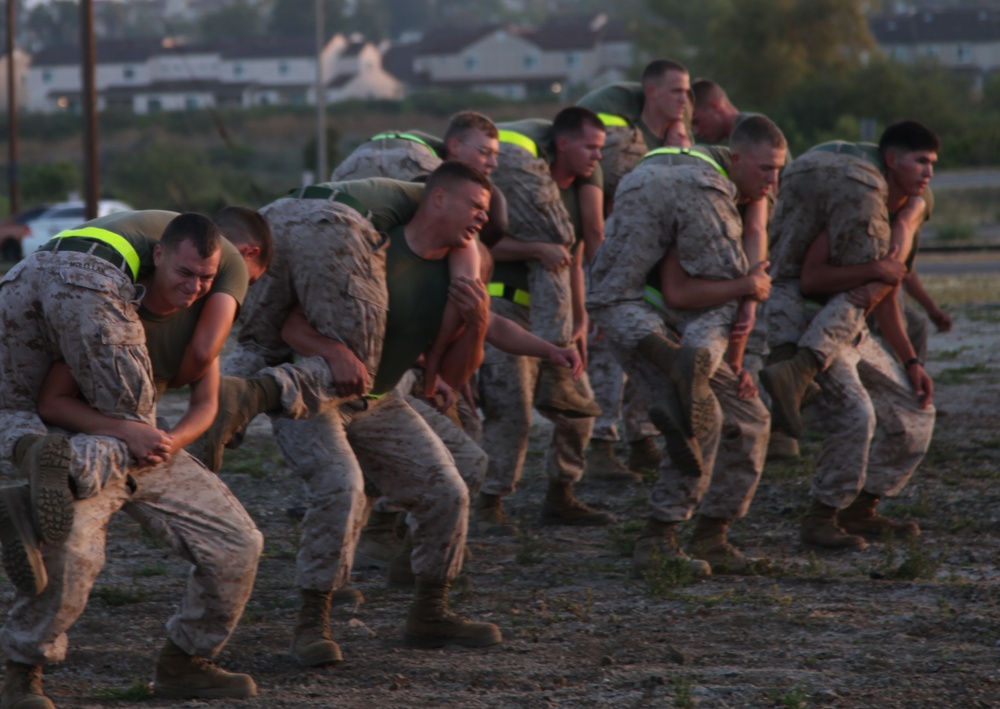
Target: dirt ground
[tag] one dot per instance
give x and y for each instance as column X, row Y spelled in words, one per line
column 895, row 626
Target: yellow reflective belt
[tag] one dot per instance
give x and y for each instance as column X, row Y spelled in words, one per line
column 687, row 151
column 518, row 139
column 610, row 119
column 404, row 136
column 654, row 298
column 517, row 295
column 116, row 241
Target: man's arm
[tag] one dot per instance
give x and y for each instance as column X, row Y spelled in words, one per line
column 349, row 373
column 552, row 256
column 214, row 323
column 819, row 277
column 915, row 289
column 203, row 405
column 684, row 292
column 591, row 202
column 508, row 336
column 755, row 231
column 578, row 295
column 465, row 353
column 890, row 323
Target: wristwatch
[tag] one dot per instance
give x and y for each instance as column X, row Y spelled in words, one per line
column 912, row 361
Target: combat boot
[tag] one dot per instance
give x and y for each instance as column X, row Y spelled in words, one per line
column 430, row 624
column 709, row 543
column 312, row 641
column 658, row 542
column 556, row 390
column 22, row 555
column 489, row 519
column 45, row 460
column 690, row 369
column 240, row 400
column 781, row 446
column 183, row 676
column 644, row 455
column 347, row 596
column 561, row 507
column 378, row 542
column 22, row 687
column 862, row 517
column 684, row 451
column 786, row 383
column 819, row 528
column 603, row 465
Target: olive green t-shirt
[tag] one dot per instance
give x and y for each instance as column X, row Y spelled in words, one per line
column 142, row 229
column 418, row 292
column 392, row 202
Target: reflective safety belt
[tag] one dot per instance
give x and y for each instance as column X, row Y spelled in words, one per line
column 654, row 298
column 518, row 139
column 610, row 119
column 687, row 151
column 404, row 136
column 515, row 295
column 116, row 241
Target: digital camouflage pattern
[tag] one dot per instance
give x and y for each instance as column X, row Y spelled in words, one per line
column 397, row 158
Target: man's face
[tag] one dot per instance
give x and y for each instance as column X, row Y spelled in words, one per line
column 475, row 148
column 911, row 171
column 755, row 170
column 580, row 153
column 671, row 94
column 709, row 124
column 463, row 212
column 182, row 275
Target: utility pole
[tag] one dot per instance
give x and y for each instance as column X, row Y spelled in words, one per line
column 12, row 132
column 92, row 177
column 321, row 173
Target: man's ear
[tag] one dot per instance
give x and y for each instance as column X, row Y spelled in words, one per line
column 157, row 254
column 891, row 158
column 250, row 252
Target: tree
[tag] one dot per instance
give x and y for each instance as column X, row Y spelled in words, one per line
column 297, row 18
column 54, row 24
column 240, row 18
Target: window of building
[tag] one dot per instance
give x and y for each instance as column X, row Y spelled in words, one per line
column 154, row 105
column 283, row 68
column 128, row 72
column 191, row 102
column 46, row 76
column 530, row 61
column 237, row 70
column 572, row 59
column 471, row 62
column 964, row 53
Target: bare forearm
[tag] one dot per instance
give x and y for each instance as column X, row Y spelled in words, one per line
column 465, row 354
column 824, row 279
column 755, row 231
column 511, row 249
column 890, row 323
column 214, row 324
column 76, row 415
column 508, row 336
column 915, row 289
column 202, row 409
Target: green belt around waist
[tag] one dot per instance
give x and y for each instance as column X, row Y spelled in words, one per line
column 390, row 135
column 515, row 295
column 318, row 192
column 518, row 139
column 688, row 152
column 113, row 248
column 610, row 119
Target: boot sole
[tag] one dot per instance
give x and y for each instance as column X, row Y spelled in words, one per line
column 22, row 560
column 685, row 453
column 783, row 417
column 51, row 498
column 698, row 399
column 433, row 642
column 323, row 657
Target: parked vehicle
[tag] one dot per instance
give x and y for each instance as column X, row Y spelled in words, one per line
column 14, row 229
column 65, row 215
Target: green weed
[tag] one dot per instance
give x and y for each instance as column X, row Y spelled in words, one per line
column 138, row 691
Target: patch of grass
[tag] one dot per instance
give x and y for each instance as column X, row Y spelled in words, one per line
column 947, row 355
column 623, row 536
column 955, row 232
column 794, row 698
column 258, row 460
column 961, row 375
column 683, row 698
column 921, row 507
column 529, row 549
column 953, row 291
column 790, row 470
column 967, row 523
column 149, row 571
column 667, row 574
column 983, row 314
column 815, row 566
column 918, row 562
column 138, row 691
column 115, row 596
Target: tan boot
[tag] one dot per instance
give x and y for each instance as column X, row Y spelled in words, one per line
column 786, row 382
column 347, row 596
column 862, row 517
column 22, row 687
column 561, row 507
column 781, row 446
column 644, row 455
column 604, row 466
column 556, row 390
column 183, row 676
column 690, row 369
column 312, row 641
column 820, row 529
column 240, row 401
column 46, row 463
column 489, row 519
column 22, row 555
column 430, row 624
column 658, row 541
column 709, row 543
column 684, row 451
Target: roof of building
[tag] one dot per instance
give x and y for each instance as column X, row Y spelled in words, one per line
column 568, row 32
column 109, row 51
column 954, row 24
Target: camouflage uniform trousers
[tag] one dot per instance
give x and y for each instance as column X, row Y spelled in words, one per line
column 612, row 389
column 397, row 158
column 536, row 213
column 387, row 441
column 865, row 392
column 80, row 308
column 832, row 329
column 188, row 509
column 733, row 450
column 506, row 386
column 623, row 148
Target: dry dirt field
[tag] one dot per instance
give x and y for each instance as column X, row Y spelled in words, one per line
column 895, row 626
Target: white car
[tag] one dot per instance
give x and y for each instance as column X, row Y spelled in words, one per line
column 62, row 216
